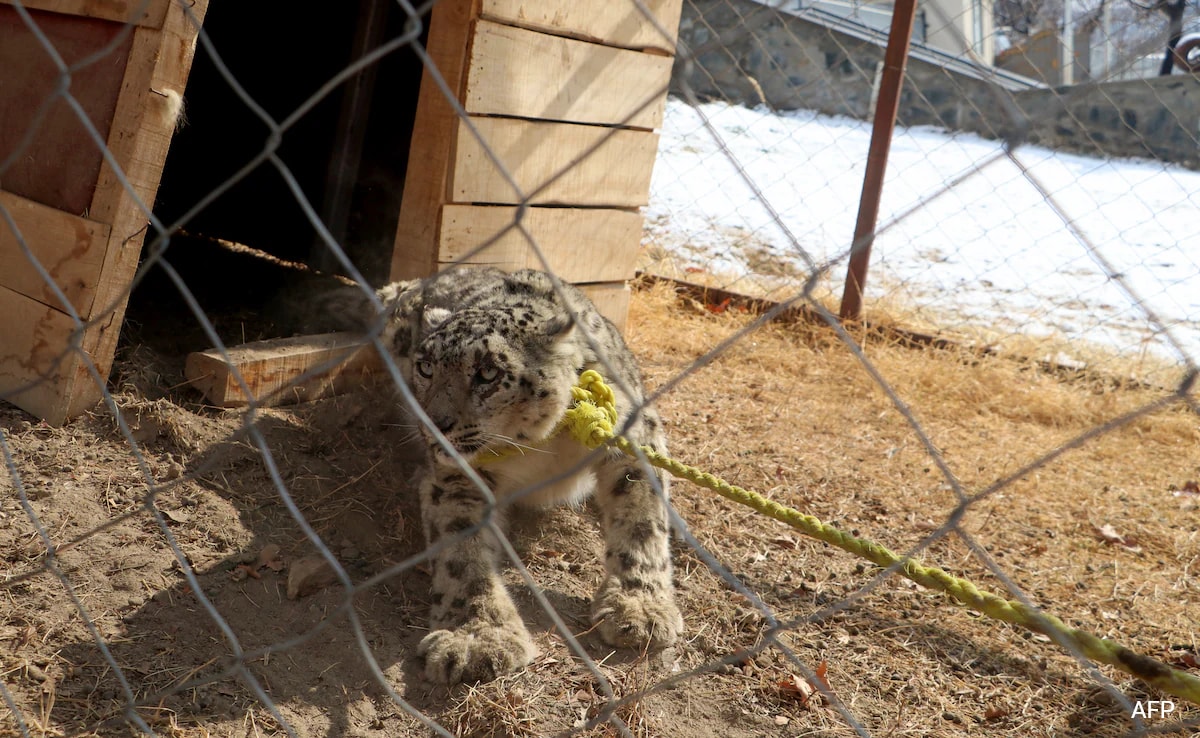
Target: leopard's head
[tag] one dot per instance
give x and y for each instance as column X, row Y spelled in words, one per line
column 493, row 379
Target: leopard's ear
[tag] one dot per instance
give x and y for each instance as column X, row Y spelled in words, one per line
column 341, row 308
column 558, row 327
column 389, row 294
column 433, row 317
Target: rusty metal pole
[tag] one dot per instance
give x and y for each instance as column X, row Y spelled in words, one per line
column 886, row 106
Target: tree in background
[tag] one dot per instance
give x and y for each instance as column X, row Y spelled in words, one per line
column 1174, row 10
column 1135, row 28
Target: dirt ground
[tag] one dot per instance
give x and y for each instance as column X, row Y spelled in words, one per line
column 1107, row 537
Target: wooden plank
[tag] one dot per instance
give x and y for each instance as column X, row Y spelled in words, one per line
column 579, row 244
column 34, row 356
column 434, row 130
column 149, row 13
column 611, row 299
column 305, row 368
column 59, row 164
column 284, row 370
column 589, row 165
column 522, row 73
column 70, row 248
column 613, row 22
column 142, row 127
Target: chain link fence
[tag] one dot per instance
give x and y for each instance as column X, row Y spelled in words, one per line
column 172, row 568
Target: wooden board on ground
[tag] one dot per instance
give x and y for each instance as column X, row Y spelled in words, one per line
column 580, row 244
column 70, row 249
column 612, row 22
column 526, row 74
column 553, row 164
column 282, row 371
column 289, row 370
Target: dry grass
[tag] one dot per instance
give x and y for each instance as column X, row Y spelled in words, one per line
column 891, row 305
column 792, row 412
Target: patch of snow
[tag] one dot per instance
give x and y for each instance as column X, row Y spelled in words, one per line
column 778, row 194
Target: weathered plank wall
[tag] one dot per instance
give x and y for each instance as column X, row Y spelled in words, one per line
column 561, row 98
column 63, row 204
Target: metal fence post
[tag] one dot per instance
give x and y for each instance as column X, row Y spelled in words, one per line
column 894, row 60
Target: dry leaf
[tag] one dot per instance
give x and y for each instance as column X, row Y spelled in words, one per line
column 177, row 516
column 271, row 556
column 995, row 712
column 242, row 571
column 1189, row 489
column 582, row 696
column 819, row 672
column 1109, row 534
column 719, row 307
column 803, row 690
column 35, row 673
column 795, row 688
column 1186, row 659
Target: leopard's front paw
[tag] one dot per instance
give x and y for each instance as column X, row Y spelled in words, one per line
column 475, row 653
column 636, row 618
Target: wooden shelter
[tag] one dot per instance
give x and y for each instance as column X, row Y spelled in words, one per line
column 60, row 195
column 561, row 99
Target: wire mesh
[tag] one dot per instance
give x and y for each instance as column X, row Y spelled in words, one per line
column 176, row 569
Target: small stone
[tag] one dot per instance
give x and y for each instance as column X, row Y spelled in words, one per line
column 782, row 720
column 308, row 575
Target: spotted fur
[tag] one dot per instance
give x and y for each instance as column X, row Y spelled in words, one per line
column 491, row 359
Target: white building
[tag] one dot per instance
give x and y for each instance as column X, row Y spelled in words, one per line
column 962, row 28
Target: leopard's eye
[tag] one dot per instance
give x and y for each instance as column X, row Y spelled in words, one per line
column 425, row 368
column 488, row 374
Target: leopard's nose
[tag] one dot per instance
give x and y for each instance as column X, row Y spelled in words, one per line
column 443, row 424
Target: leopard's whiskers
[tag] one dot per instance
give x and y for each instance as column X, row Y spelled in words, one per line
column 414, row 432
column 510, row 441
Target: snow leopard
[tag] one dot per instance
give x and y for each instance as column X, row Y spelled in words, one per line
column 491, row 358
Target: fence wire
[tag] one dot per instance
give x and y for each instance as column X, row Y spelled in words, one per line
column 174, row 569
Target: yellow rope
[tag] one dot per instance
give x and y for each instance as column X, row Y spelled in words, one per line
column 591, row 421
